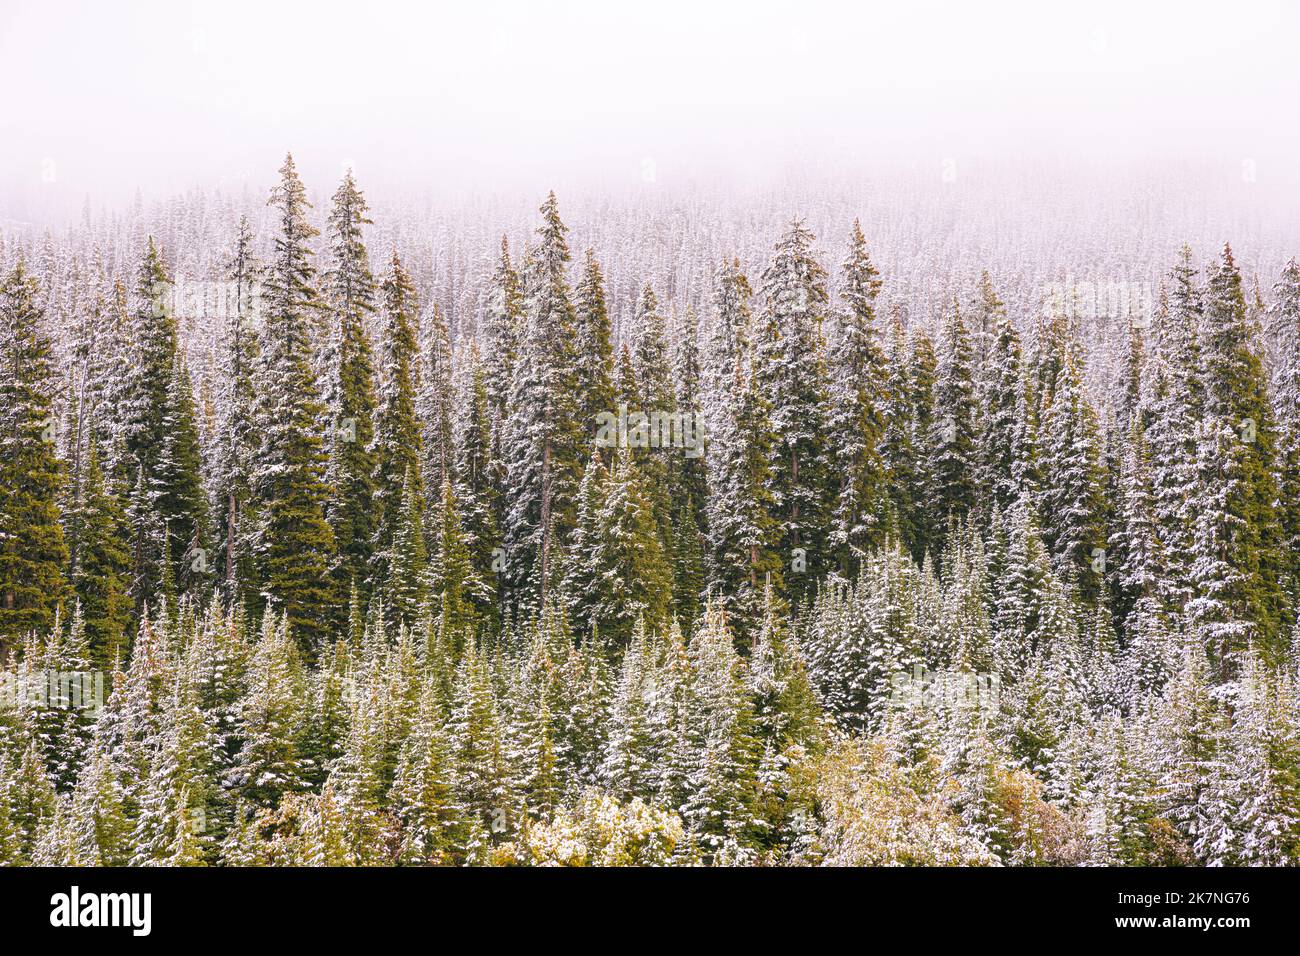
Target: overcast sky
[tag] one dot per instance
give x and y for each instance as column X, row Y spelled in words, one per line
column 100, row 99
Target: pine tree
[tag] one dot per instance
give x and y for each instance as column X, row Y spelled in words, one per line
column 629, row 765
column 477, row 474
column 406, row 591
column 179, row 495
column 32, row 550
column 503, row 329
column 100, row 568
column 790, row 369
column 268, row 765
column 422, row 795
column 898, row 454
column 855, row 423
column 1172, row 413
column 729, row 333
column 1001, row 449
column 398, row 450
column 543, row 436
column 722, row 782
column 742, row 527
column 688, row 477
column 237, row 435
column 1072, row 502
column 922, row 375
column 1285, row 334
column 349, row 398
column 296, row 546
column 951, row 442
column 594, row 348
column 161, row 433
column 1238, row 565
column 434, row 404
column 457, row 586
column 481, row 778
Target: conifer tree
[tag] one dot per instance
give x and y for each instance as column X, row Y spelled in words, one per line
column 457, row 587
column 855, row 422
column 1238, row 566
column 237, row 436
column 1285, row 334
column 742, row 528
column 790, row 367
column 477, row 475
column 594, row 346
column 922, row 371
column 422, row 793
column 898, row 454
column 503, row 330
column 436, row 395
column 722, row 781
column 952, row 433
column 406, row 592
column 296, row 546
column 398, row 450
column 1172, row 413
column 270, row 715
column 1072, row 502
column 349, row 398
column 1001, row 449
column 688, row 477
column 543, row 437
column 101, row 566
column 33, row 554
column 161, row 433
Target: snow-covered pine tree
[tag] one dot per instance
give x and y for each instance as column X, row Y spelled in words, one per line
column 237, row 437
column 435, row 397
column 503, row 329
column 594, row 345
column 161, row 435
column 950, row 443
column 398, row 450
column 33, row 554
column 855, row 419
column 349, row 398
column 101, row 567
column 295, row 549
column 1072, row 500
column 790, row 369
column 543, row 442
column 1001, row 446
column 477, row 475
column 1238, row 567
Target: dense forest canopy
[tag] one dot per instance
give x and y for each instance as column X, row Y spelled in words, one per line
column 332, row 536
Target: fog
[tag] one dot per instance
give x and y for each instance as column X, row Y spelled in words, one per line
column 505, row 96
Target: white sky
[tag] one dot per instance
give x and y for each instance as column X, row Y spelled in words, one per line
column 487, row 94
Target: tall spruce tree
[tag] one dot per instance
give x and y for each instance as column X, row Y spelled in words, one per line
column 296, row 550
column 543, row 434
column 789, row 359
column 33, row 554
column 162, row 435
column 1238, row 566
column 594, row 346
column 398, row 450
column 349, row 292
column 237, row 437
column 855, row 421
column 951, row 442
